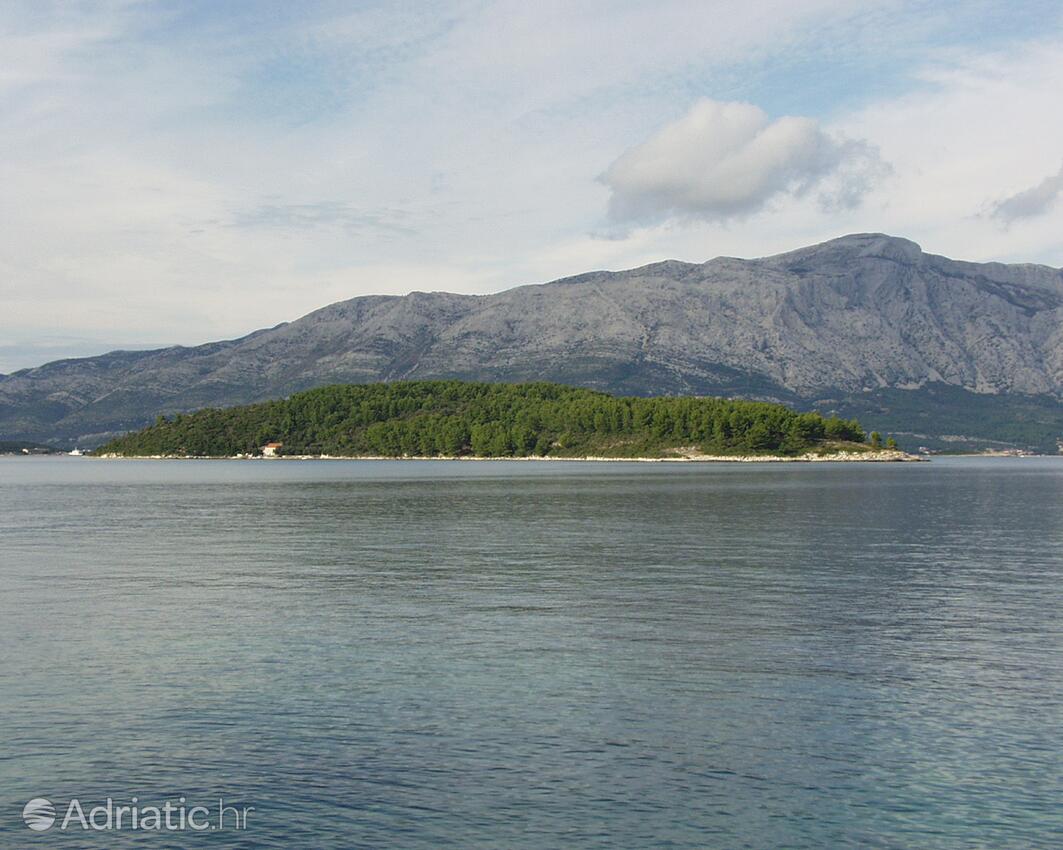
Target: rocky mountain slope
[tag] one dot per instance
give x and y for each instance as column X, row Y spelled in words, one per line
column 866, row 323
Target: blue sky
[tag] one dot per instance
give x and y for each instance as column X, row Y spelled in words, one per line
column 181, row 172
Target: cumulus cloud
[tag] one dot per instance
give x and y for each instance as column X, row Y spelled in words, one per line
column 1035, row 201
column 725, row 160
column 234, row 169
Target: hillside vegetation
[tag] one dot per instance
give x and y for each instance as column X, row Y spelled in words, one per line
column 453, row 418
column 828, row 327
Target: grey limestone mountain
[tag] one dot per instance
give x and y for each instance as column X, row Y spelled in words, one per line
column 938, row 351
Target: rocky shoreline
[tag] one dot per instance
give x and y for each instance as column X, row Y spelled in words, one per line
column 881, row 456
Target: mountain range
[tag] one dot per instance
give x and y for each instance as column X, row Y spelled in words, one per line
column 939, row 352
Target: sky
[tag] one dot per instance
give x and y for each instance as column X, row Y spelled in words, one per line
column 180, row 172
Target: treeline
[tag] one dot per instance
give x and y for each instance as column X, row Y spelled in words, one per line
column 454, row 418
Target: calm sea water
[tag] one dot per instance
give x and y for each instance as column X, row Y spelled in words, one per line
column 537, row 655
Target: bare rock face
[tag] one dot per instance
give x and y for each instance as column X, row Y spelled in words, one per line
column 855, row 315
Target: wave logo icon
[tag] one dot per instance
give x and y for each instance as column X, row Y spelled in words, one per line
column 39, row 814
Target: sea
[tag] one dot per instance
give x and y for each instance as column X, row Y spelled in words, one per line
column 511, row 654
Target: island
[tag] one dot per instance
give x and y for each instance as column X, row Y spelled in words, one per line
column 466, row 420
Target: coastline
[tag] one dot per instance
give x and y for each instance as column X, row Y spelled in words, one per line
column 882, row 456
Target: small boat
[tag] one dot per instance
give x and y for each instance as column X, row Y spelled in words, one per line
column 76, row 453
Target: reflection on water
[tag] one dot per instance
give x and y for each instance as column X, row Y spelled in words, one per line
column 539, row 655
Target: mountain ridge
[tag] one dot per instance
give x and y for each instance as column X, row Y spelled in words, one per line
column 863, row 313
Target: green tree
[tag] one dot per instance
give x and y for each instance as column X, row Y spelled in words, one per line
column 489, row 420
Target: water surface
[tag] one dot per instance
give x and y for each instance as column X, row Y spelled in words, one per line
column 538, row 655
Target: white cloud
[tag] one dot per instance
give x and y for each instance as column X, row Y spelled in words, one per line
column 191, row 175
column 726, row 160
column 1032, row 202
column 977, row 126
column 973, row 128
column 186, row 173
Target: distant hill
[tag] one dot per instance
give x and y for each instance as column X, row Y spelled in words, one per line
column 866, row 325
column 454, row 418
column 10, row 447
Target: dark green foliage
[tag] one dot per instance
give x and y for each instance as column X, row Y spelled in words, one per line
column 977, row 421
column 452, row 418
column 843, row 429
